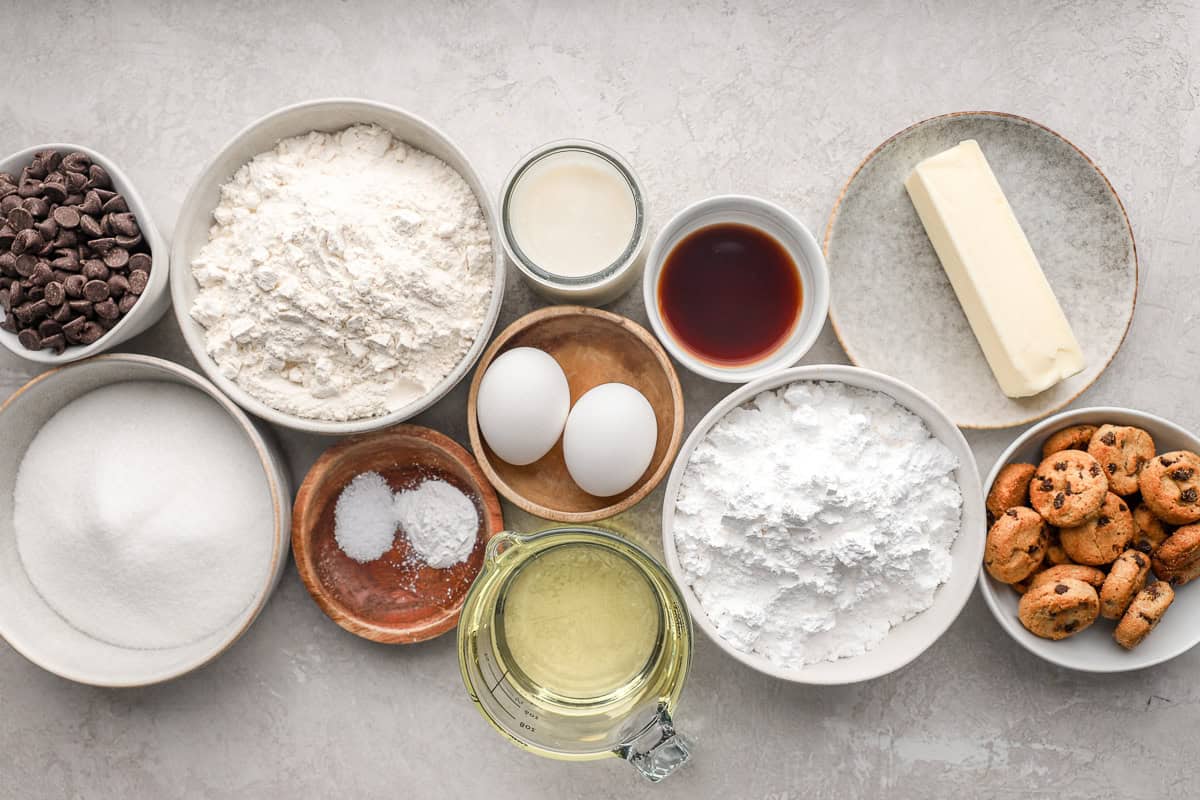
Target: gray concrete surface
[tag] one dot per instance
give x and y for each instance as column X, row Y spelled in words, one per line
column 777, row 99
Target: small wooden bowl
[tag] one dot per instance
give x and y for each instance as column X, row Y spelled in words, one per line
column 390, row 600
column 592, row 347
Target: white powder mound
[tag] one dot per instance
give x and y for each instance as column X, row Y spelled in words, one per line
column 815, row 517
column 441, row 523
column 143, row 515
column 364, row 518
column 345, row 276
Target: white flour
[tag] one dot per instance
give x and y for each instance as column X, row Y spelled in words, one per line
column 346, row 274
column 814, row 518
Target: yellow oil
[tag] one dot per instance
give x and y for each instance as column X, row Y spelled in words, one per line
column 580, row 622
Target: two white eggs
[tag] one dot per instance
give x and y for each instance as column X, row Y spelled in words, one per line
column 524, row 406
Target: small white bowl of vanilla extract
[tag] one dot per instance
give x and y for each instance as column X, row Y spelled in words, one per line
column 736, row 288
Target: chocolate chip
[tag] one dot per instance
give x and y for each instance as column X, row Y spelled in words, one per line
column 118, row 285
column 1061, row 588
column 81, row 307
column 127, row 302
column 95, row 291
column 95, row 270
column 1095, row 470
column 1102, row 521
column 1187, row 496
column 1012, row 512
column 1071, row 626
column 91, row 204
column 1046, row 484
column 107, row 309
column 1182, row 474
column 1033, row 548
column 42, row 274
column 103, row 244
column 29, row 339
column 91, row 332
column 25, row 264
column 36, row 206
column 30, row 188
column 74, row 286
column 74, row 328
column 1137, row 559
column 57, row 343
column 1122, row 506
column 90, row 226
column 56, row 295
column 1060, row 465
column 1166, row 462
column 66, row 216
column 54, row 191
column 19, row 219
column 137, row 281
column 1109, row 438
column 128, row 241
column 1059, row 499
column 115, row 205
column 28, row 240
column 48, row 327
column 98, row 177
column 117, row 258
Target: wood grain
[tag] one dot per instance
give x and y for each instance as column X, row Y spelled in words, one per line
column 593, row 347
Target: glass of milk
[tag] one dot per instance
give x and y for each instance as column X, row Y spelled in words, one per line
column 574, row 222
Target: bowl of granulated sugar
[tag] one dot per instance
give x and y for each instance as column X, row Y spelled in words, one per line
column 143, row 521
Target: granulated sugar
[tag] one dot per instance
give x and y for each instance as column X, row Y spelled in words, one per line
column 815, row 517
column 135, row 542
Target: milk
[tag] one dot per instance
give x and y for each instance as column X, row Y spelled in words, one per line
column 572, row 213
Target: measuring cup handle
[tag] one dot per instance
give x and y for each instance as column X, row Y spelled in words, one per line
column 658, row 750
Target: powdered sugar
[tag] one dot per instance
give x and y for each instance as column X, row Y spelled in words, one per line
column 345, row 276
column 815, row 517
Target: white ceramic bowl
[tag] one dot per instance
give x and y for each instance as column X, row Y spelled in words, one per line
column 26, row 621
column 195, row 217
column 910, row 638
column 154, row 300
column 1094, row 650
column 800, row 244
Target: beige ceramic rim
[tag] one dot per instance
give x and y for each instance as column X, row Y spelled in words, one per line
column 1004, row 115
column 266, row 459
column 537, row 509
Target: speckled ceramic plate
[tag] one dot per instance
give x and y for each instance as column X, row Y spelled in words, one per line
column 892, row 306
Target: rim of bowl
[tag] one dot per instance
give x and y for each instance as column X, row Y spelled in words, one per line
column 804, row 332
column 305, row 516
column 193, row 333
column 837, row 205
column 159, row 253
column 904, row 395
column 280, row 504
column 527, row 321
column 1009, row 622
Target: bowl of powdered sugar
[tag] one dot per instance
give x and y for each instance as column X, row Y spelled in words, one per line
column 143, row 521
column 337, row 266
column 826, row 524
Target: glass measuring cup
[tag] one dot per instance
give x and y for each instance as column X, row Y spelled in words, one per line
column 556, row 696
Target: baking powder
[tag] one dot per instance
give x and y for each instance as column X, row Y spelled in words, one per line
column 345, row 276
column 815, row 517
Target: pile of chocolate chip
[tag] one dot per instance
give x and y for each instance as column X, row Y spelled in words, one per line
column 73, row 261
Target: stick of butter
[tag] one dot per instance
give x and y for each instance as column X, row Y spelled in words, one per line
column 1013, row 311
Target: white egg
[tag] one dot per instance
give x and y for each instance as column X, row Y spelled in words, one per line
column 609, row 439
column 523, row 404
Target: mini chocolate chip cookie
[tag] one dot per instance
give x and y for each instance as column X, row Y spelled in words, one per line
column 1058, row 609
column 1102, row 538
column 1178, row 558
column 1170, row 485
column 1144, row 614
column 1121, row 451
column 1011, row 488
column 1126, row 578
column 1089, row 575
column 1016, row 545
column 1075, row 437
column 1148, row 530
column 1068, row 488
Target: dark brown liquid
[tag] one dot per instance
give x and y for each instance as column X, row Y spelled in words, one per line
column 730, row 293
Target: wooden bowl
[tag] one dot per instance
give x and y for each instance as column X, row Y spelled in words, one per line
column 392, row 599
column 592, row 347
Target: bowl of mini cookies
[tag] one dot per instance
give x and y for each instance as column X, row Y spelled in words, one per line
column 1093, row 536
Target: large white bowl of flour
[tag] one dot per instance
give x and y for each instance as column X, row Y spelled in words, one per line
column 825, row 524
column 320, row 365
column 146, row 547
